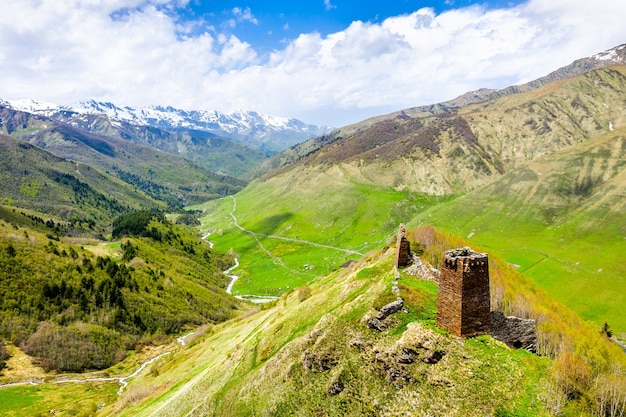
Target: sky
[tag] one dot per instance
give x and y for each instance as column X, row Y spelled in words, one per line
column 327, row 62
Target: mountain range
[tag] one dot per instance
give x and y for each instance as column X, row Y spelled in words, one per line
column 270, row 134
column 533, row 175
column 613, row 56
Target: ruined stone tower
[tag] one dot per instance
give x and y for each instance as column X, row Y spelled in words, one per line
column 403, row 248
column 463, row 303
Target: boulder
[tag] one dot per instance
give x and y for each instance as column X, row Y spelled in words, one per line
column 376, row 324
column 389, row 309
column 514, row 331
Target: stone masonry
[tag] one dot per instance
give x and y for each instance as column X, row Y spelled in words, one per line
column 463, row 302
column 403, row 249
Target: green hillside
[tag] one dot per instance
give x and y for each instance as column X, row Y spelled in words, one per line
column 69, row 191
column 562, row 219
column 352, row 192
column 78, row 307
column 312, row 353
column 316, row 356
column 163, row 176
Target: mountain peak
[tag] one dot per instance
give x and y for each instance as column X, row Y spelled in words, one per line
column 616, row 55
column 263, row 131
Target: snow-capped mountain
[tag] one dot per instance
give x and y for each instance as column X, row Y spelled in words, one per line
column 270, row 133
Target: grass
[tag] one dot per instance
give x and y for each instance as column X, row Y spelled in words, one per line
column 567, row 237
column 254, row 365
column 64, row 399
column 343, row 214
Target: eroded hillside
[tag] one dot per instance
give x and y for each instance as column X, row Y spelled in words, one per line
column 461, row 149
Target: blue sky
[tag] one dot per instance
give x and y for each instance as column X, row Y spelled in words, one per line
column 269, row 25
column 329, row 62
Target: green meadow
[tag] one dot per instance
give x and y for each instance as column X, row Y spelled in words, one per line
column 300, row 234
column 62, row 399
column 558, row 219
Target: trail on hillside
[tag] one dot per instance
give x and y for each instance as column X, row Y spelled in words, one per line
column 288, row 239
column 277, row 260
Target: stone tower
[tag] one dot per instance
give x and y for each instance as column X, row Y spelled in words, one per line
column 463, row 303
column 403, row 248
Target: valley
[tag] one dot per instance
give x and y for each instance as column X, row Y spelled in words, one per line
column 136, row 281
column 563, row 220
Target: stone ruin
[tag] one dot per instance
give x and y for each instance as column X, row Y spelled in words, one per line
column 463, row 303
column 464, row 300
column 516, row 332
column 403, row 249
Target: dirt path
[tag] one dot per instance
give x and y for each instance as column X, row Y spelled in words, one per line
column 274, row 259
column 288, row 239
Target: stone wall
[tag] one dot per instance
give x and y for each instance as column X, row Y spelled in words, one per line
column 463, row 303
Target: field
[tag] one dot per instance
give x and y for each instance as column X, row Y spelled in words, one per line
column 293, row 234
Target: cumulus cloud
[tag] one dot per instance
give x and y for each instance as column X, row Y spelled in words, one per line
column 245, row 15
column 137, row 52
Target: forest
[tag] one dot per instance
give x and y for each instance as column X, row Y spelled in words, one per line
column 74, row 310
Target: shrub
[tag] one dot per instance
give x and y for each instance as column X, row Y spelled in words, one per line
column 76, row 347
column 136, row 223
column 304, row 293
column 4, row 355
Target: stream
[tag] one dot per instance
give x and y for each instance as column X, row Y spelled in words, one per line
column 257, row 299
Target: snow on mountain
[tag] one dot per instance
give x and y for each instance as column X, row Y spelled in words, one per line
column 268, row 132
column 247, row 126
column 614, row 55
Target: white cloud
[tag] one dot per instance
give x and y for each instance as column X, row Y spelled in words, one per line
column 63, row 51
column 328, row 5
column 245, row 15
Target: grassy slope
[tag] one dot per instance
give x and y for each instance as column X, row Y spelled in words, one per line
column 188, row 292
column 33, row 178
column 562, row 219
column 254, row 365
column 355, row 205
column 325, row 207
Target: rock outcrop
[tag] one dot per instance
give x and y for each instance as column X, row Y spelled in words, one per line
column 377, row 323
column 421, row 269
column 417, row 345
column 389, row 309
column 514, row 331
